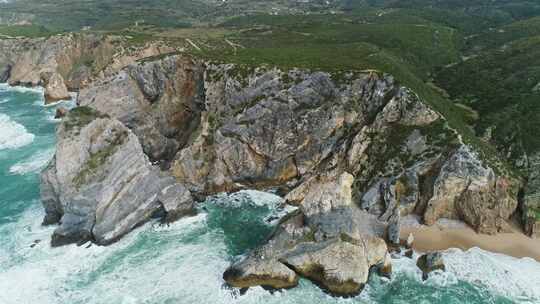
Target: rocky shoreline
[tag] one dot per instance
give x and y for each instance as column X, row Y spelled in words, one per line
column 355, row 152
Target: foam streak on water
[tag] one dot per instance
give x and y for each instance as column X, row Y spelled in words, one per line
column 34, row 164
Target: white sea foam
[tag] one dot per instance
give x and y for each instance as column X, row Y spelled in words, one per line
column 12, row 134
column 21, row 89
column 180, row 263
column 510, row 277
column 183, row 263
column 34, row 164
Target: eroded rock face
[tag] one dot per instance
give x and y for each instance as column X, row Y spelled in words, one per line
column 355, row 155
column 55, row 88
column 159, row 101
column 100, row 185
column 466, row 189
column 63, row 63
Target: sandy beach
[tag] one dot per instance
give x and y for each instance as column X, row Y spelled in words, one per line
column 441, row 238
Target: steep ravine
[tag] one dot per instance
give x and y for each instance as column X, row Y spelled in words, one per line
column 355, row 153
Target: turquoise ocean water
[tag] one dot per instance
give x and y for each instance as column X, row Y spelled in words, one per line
column 183, row 262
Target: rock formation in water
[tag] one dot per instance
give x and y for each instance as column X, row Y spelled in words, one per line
column 430, row 262
column 100, row 185
column 356, row 152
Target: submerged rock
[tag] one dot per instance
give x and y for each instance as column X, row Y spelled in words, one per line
column 60, row 112
column 430, row 262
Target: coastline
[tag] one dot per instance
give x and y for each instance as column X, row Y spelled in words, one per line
column 435, row 238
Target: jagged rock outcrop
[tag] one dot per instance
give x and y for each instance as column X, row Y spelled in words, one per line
column 69, row 62
column 100, row 185
column 430, row 262
column 160, row 101
column 466, row 189
column 355, row 153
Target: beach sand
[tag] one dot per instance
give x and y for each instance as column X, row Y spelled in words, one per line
column 435, row 238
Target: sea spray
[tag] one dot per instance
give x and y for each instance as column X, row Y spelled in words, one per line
column 13, row 135
column 33, row 164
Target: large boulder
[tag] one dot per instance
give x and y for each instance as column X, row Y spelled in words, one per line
column 430, row 262
column 54, row 86
column 339, row 265
column 100, row 185
column 262, row 266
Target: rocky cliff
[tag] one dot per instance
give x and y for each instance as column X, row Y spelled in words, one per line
column 355, row 152
column 100, row 185
column 67, row 63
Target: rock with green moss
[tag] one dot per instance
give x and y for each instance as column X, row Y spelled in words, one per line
column 100, row 185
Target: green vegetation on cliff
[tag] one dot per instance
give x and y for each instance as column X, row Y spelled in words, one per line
column 474, row 61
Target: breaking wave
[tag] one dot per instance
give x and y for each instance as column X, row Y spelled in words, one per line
column 13, row 135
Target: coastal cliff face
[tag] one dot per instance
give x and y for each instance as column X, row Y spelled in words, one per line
column 101, row 185
column 67, row 63
column 354, row 152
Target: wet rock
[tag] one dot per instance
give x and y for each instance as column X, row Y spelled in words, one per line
column 60, row 112
column 409, row 253
column 339, row 266
column 176, row 200
column 385, row 269
column 430, row 262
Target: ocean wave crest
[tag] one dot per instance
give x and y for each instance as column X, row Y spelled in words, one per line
column 34, row 164
column 13, row 135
